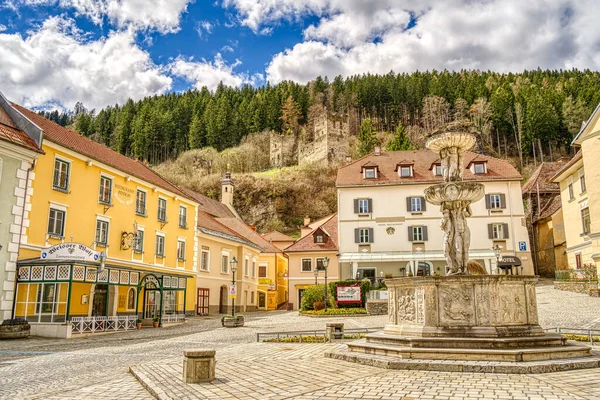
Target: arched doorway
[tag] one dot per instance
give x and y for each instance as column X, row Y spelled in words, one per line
column 223, row 300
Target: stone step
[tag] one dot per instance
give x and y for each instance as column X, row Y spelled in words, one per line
column 467, row 343
column 513, row 355
column 499, row 367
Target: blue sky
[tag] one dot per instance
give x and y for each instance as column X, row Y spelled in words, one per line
column 100, row 52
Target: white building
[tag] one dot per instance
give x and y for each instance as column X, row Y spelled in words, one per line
column 387, row 229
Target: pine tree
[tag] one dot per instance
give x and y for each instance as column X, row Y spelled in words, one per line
column 367, row 138
column 290, row 116
column 400, row 140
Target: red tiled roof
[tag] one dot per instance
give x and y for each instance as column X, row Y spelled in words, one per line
column 550, row 208
column 542, row 176
column 276, row 236
column 87, row 147
column 18, row 137
column 243, row 230
column 568, row 165
column 208, row 205
column 351, row 174
column 211, row 226
column 307, row 243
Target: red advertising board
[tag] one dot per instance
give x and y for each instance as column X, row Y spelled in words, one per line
column 349, row 294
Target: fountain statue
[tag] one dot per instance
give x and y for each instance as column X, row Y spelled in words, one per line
column 454, row 196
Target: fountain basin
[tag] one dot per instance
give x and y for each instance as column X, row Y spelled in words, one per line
column 454, row 191
column 463, row 141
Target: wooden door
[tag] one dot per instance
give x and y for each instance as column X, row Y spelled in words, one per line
column 203, row 297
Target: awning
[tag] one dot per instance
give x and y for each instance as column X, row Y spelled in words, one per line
column 409, row 256
column 509, row 261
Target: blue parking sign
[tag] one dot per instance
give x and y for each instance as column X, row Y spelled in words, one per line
column 522, row 246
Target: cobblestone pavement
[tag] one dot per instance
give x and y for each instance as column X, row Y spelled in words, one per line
column 98, row 367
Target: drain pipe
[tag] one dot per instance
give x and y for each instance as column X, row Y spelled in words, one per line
column 29, row 170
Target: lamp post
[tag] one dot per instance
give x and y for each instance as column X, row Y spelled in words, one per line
column 497, row 250
column 233, row 270
column 325, row 265
column 316, row 272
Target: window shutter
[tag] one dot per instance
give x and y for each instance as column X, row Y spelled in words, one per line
column 356, row 236
column 408, row 205
column 410, row 234
column 370, row 205
column 355, row 206
column 490, row 231
column 423, row 205
column 425, row 238
column 488, row 204
column 502, row 200
column 371, row 235
column 505, row 230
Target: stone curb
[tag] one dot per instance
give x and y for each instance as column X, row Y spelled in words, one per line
column 147, row 383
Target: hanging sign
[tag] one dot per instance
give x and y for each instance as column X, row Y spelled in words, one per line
column 232, row 291
column 70, row 251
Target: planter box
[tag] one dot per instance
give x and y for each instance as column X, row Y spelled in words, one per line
column 232, row 322
column 14, row 331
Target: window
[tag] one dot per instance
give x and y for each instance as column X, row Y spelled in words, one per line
column 138, row 242
column 101, row 233
column 182, row 217
column 306, row 265
column 162, row 210
column 181, row 250
column 405, row 172
column 252, row 298
column 585, row 220
column 578, row 260
column 60, row 179
column 254, row 268
column 363, row 206
column 415, row 204
column 369, row 173
column 497, row 231
column 417, row 233
column 225, row 264
column 140, row 203
column 479, row 168
column 131, row 299
column 46, row 301
column 319, row 238
column 437, row 170
column 246, row 267
column 582, row 181
column 56, row 223
column 495, row 201
column 105, row 190
column 320, row 266
column 160, row 245
column 570, row 187
column 204, row 260
column 364, row 235
column 262, row 271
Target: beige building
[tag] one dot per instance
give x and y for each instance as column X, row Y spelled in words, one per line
column 279, row 239
column 306, row 257
column 386, row 229
column 579, row 182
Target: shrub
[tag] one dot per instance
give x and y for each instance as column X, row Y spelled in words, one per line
column 336, row 311
column 312, row 295
column 15, row 321
column 318, row 305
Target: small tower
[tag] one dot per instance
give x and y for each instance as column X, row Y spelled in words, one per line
column 227, row 190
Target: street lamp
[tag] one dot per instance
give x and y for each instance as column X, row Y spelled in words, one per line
column 316, row 272
column 325, row 265
column 233, row 269
column 497, row 250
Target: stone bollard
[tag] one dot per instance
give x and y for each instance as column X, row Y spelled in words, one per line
column 198, row 365
column 334, row 330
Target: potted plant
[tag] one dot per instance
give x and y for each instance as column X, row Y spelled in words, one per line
column 155, row 322
column 14, row 328
column 138, row 323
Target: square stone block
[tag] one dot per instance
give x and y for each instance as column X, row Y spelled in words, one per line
column 199, row 366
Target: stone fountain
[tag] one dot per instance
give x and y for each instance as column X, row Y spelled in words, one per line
column 464, row 322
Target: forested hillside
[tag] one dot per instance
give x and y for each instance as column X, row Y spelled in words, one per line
column 525, row 115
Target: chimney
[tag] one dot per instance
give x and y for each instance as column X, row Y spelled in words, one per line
column 305, row 230
column 253, row 227
column 377, row 150
column 227, row 190
column 306, row 221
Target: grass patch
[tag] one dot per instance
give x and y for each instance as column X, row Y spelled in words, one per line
column 335, row 311
column 582, row 338
column 310, row 339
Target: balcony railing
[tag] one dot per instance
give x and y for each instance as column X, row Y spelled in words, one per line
column 103, row 324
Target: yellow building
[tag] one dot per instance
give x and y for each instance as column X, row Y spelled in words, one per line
column 109, row 240
column 579, row 181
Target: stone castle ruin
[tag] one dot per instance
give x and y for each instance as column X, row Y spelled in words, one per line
column 328, row 142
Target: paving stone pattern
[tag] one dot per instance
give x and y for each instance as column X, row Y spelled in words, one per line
column 98, row 367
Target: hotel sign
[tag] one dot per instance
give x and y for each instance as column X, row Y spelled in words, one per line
column 70, row 251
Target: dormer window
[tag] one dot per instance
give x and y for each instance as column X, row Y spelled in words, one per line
column 319, row 238
column 370, row 173
column 479, row 168
column 405, row 171
column 437, row 169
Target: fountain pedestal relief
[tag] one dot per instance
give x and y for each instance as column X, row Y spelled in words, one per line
column 462, row 317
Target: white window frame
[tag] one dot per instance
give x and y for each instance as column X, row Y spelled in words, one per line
column 370, row 170
column 302, row 264
column 184, row 225
column 68, row 180
column 363, row 236
column 417, row 233
column 64, row 221
column 180, row 255
column 246, row 266
column 582, row 183
column 475, row 171
column 227, row 256
column 495, row 201
column 202, row 253
column 582, row 220
column 363, row 206
column 498, row 232
column 437, row 170
column 137, row 240
column 164, row 241
column 415, row 204
column 406, row 168
column 253, row 267
column 103, row 221
column 319, row 238
column 143, row 212
column 101, row 191
column 158, row 208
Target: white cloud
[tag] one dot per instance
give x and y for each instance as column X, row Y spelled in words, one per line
column 211, row 73
column 353, row 37
column 3, row 28
column 204, row 26
column 227, row 48
column 57, row 65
